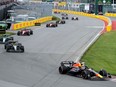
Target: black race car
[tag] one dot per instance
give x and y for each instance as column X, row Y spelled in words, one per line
column 64, row 14
column 75, row 18
column 52, row 24
column 14, row 46
column 61, row 22
column 25, row 32
column 65, row 17
column 4, row 38
column 80, row 70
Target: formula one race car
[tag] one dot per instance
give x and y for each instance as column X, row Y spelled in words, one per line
column 4, row 38
column 24, row 32
column 75, row 18
column 14, row 46
column 64, row 17
column 64, row 14
column 80, row 70
column 52, row 24
column 61, row 22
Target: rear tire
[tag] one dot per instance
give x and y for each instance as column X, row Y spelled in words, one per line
column 86, row 74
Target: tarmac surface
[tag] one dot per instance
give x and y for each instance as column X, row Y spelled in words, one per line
column 44, row 50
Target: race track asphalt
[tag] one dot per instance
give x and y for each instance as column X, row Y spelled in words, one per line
column 44, row 50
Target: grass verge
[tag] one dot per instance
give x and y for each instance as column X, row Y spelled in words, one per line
column 55, row 18
column 102, row 54
column 10, row 33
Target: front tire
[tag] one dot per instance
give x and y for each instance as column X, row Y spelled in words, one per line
column 22, row 49
column 103, row 73
column 18, row 33
column 62, row 70
column 31, row 32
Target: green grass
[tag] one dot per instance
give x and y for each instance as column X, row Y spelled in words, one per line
column 10, row 33
column 102, row 54
column 55, row 18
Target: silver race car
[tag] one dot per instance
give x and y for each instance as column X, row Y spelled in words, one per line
column 4, row 38
column 14, row 46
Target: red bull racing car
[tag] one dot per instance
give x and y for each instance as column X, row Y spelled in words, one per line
column 80, row 70
column 25, row 32
column 52, row 24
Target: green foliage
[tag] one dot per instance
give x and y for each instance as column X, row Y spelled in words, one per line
column 10, row 33
column 102, row 54
column 55, row 18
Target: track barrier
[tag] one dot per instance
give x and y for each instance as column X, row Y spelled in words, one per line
column 110, row 14
column 25, row 24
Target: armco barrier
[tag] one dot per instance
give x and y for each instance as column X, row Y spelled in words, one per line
column 30, row 23
column 108, row 27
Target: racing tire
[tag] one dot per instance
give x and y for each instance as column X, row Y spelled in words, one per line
column 56, row 25
column 4, row 46
column 62, row 70
column 28, row 33
column 47, row 26
column 22, row 49
column 7, row 39
column 18, row 33
column 7, row 50
column 62, row 17
column 63, row 22
column 109, row 75
column 66, row 17
column 76, row 18
column 86, row 74
column 72, row 18
column 31, row 32
column 103, row 73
